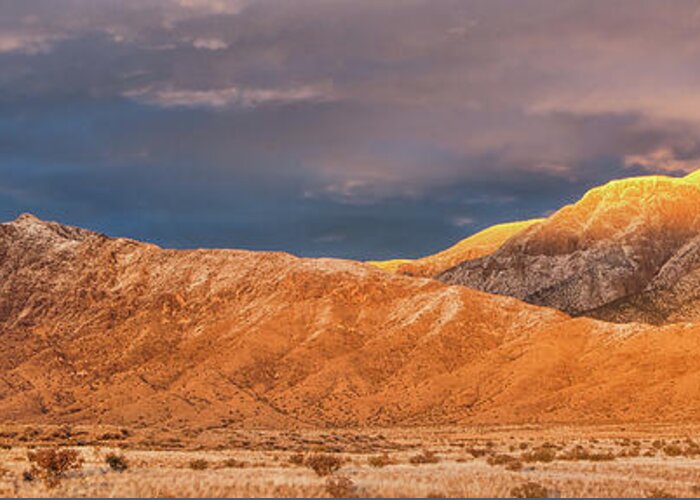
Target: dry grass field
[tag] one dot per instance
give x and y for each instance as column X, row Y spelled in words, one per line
column 611, row 461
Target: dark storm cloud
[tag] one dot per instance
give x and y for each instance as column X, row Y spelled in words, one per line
column 350, row 128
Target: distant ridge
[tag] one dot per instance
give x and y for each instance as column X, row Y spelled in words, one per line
column 475, row 246
column 625, row 252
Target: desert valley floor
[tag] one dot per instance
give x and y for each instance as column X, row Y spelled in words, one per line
column 557, row 461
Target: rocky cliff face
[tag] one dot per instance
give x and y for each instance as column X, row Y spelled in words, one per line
column 616, row 254
column 672, row 295
column 102, row 330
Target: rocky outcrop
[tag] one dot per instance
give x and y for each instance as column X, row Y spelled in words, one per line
column 616, row 254
column 672, row 295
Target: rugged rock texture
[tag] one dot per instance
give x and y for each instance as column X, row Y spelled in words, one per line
column 672, row 295
column 482, row 243
column 101, row 330
column 619, row 254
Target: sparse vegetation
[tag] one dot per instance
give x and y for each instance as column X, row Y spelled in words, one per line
column 529, row 490
column 267, row 455
column 541, row 454
column 509, row 462
column 232, row 463
column 425, row 457
column 116, row 462
column 341, row 487
column 581, row 453
column 673, row 450
column 323, row 464
column 380, row 460
column 659, row 493
column 658, row 444
column 199, row 464
column 53, row 464
column 514, row 466
column 477, row 452
column 631, row 452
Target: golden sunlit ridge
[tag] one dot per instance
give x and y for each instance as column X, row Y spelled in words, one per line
column 611, row 200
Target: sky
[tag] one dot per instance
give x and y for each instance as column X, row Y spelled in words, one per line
column 362, row 129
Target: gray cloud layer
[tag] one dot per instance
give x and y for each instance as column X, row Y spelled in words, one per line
column 352, row 128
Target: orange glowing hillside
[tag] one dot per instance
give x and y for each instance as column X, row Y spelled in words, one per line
column 473, row 247
column 623, row 209
column 98, row 330
column 392, row 266
column 613, row 254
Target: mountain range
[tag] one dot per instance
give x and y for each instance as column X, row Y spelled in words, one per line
column 109, row 330
column 627, row 251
